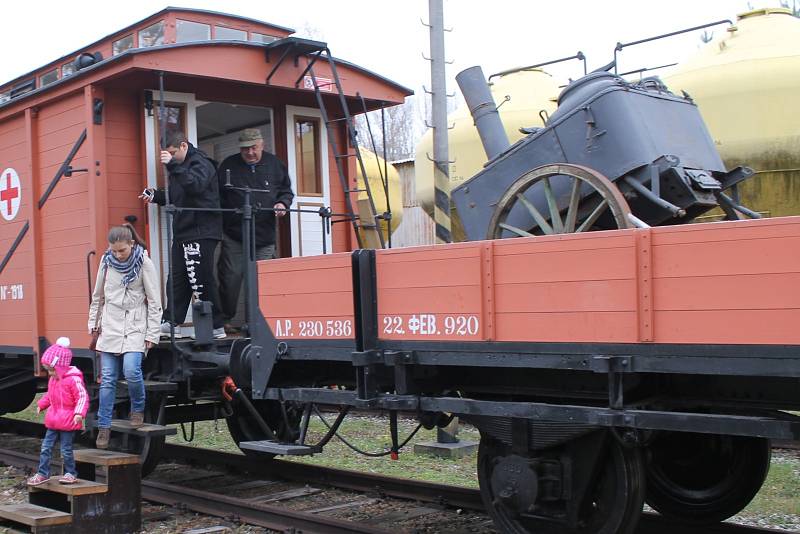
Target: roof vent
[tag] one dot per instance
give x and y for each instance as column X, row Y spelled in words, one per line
column 87, row 59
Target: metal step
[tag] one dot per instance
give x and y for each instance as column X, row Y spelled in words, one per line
column 283, row 449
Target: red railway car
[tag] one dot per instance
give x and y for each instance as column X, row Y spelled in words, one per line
column 78, row 138
column 602, row 369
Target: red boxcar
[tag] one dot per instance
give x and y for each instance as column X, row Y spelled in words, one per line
column 78, row 139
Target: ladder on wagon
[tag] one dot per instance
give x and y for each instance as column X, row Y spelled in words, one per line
column 366, row 225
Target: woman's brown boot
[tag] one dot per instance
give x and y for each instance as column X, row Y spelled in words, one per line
column 102, row 438
column 137, row 419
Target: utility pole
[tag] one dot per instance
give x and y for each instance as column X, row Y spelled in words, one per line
column 441, row 159
column 447, row 443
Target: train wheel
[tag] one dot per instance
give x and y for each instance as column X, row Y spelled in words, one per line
column 524, row 494
column 705, row 478
column 586, row 196
column 243, row 427
column 19, row 396
column 148, row 448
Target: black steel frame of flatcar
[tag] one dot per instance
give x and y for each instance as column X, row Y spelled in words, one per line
column 716, row 389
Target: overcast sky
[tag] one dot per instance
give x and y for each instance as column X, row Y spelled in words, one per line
column 388, row 36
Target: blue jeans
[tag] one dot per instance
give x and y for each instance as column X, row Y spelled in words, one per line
column 65, row 436
column 132, row 369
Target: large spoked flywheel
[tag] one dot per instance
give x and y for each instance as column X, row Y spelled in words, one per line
column 559, row 199
column 541, row 493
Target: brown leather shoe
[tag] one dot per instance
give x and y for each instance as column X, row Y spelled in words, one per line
column 136, row 419
column 103, row 436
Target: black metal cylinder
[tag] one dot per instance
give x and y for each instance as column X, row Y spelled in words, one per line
column 484, row 111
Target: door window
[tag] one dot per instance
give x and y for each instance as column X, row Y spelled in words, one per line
column 176, row 120
column 306, row 145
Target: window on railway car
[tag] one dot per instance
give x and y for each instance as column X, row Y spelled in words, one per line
column 188, row 31
column 262, row 37
column 121, row 45
column 5, row 97
column 306, row 142
column 223, row 33
column 67, row 69
column 152, row 35
column 175, row 114
column 48, row 77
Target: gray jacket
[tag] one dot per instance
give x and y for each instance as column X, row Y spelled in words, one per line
column 127, row 316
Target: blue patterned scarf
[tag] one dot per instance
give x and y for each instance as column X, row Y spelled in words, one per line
column 129, row 268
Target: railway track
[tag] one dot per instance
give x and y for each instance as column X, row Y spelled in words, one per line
column 282, row 496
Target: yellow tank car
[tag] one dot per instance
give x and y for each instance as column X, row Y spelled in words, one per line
column 530, row 91
column 375, row 168
column 746, row 83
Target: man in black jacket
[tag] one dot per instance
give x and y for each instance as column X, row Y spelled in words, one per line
column 257, row 169
column 195, row 234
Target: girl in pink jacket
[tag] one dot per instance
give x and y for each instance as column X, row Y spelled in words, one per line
column 66, row 402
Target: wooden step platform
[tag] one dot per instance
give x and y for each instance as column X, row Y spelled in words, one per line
column 33, row 515
column 104, row 457
column 80, row 487
column 124, row 426
column 87, row 505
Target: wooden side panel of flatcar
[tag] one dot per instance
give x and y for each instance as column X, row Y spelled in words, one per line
column 308, row 297
column 17, row 208
column 728, row 282
column 434, row 293
column 717, row 283
column 64, row 221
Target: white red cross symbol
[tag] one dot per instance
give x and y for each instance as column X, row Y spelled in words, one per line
column 10, row 194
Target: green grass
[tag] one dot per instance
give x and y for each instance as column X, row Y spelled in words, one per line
column 780, row 493
column 368, row 434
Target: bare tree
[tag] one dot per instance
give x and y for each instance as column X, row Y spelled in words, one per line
column 706, row 36
column 309, row 31
column 794, row 7
column 402, row 130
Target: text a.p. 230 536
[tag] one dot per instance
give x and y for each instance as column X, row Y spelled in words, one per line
column 407, row 326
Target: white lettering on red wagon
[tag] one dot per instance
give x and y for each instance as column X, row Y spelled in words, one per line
column 314, row 328
column 11, row 292
column 426, row 324
column 10, row 194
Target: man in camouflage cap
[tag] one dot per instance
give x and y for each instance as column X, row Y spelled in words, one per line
column 251, row 167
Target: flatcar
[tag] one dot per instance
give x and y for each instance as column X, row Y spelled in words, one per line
column 632, row 363
column 642, row 361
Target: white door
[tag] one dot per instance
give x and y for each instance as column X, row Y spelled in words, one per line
column 308, row 168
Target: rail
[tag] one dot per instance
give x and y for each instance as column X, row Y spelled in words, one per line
column 282, row 519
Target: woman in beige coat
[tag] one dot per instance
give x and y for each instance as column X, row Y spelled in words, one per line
column 126, row 309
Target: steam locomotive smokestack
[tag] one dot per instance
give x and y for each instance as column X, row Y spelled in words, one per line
column 484, row 112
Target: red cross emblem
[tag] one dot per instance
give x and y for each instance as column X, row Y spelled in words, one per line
column 9, row 194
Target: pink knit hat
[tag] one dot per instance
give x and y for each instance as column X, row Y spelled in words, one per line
column 58, row 356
